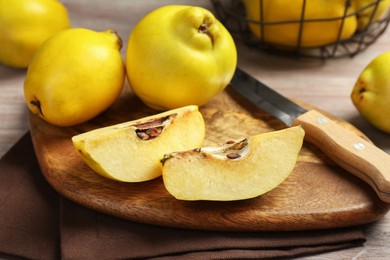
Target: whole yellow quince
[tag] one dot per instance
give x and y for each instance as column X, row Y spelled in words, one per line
column 286, row 15
column 179, row 55
column 74, row 76
column 25, row 25
column 365, row 8
column 371, row 93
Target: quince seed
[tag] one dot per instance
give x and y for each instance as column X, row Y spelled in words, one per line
column 154, row 132
column 233, row 155
column 142, row 135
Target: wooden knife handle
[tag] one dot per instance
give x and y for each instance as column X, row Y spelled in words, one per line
column 351, row 152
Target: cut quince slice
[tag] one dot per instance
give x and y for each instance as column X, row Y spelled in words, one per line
column 131, row 151
column 237, row 170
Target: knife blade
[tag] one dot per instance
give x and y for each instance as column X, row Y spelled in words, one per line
column 353, row 153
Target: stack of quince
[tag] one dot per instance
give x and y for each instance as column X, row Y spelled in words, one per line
column 178, row 58
column 325, row 22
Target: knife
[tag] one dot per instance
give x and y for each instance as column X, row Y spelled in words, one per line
column 356, row 155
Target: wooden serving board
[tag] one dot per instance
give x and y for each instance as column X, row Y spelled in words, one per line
column 317, row 194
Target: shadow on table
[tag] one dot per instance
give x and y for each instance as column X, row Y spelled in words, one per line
column 379, row 138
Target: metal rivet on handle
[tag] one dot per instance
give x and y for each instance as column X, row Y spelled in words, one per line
column 322, row 120
column 359, row 146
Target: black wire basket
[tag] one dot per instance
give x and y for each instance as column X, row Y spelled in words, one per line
column 262, row 32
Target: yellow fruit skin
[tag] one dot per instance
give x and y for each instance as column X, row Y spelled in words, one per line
column 371, row 93
column 364, row 13
column 170, row 64
column 75, row 75
column 25, row 25
column 314, row 33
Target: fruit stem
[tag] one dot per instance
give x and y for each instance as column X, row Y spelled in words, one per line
column 204, row 28
column 119, row 40
column 37, row 104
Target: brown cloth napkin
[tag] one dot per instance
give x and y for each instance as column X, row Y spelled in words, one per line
column 37, row 223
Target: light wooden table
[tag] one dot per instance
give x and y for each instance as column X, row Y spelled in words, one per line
column 326, row 85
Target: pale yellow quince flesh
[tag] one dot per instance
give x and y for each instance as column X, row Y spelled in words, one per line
column 74, row 76
column 371, row 93
column 234, row 171
column 131, row 151
column 25, row 25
